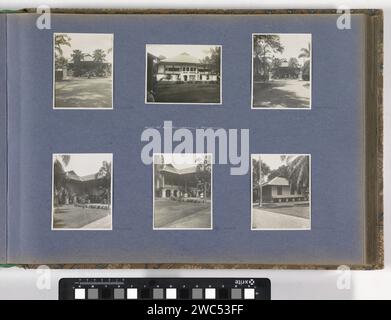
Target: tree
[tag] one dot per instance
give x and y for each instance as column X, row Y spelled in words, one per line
column 213, row 59
column 77, row 58
column 299, row 170
column 99, row 55
column 61, row 62
column 265, row 46
column 203, row 173
column 59, row 176
column 104, row 174
column 293, row 63
column 306, row 71
column 306, row 55
column 259, row 173
column 305, row 52
column 281, row 171
column 59, row 41
column 256, row 175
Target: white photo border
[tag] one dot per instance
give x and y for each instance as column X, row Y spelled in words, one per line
column 251, row 193
column 111, row 194
column 252, row 71
column 183, row 103
column 54, row 72
column 211, row 191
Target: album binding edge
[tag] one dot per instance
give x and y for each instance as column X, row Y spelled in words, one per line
column 3, row 137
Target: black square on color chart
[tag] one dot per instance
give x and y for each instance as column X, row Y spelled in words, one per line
column 145, row 293
column 223, row 293
column 184, row 293
column 107, row 293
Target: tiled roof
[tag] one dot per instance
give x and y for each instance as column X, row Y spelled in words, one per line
column 277, row 181
column 170, row 168
column 182, row 58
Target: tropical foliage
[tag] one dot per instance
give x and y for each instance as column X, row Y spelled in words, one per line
column 213, row 59
column 265, row 46
column 306, row 55
column 298, row 172
column 95, row 66
column 204, row 171
column 265, row 170
column 59, row 176
column 104, row 174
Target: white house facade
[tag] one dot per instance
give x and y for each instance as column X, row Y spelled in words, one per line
column 184, row 67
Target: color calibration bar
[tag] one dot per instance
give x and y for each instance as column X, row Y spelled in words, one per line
column 164, row 289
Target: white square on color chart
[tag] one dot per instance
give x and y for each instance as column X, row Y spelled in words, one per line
column 80, row 293
column 210, row 293
column 249, row 293
column 131, row 293
column 171, row 293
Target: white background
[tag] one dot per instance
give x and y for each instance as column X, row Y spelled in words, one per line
column 16, row 283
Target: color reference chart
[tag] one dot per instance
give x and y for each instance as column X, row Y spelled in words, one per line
column 164, row 289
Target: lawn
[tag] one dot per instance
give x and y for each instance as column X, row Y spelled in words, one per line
column 182, row 215
column 84, row 93
column 289, row 93
column 188, row 93
column 71, row 217
column 302, row 211
column 265, row 219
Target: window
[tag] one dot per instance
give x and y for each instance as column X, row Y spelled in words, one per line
column 279, row 190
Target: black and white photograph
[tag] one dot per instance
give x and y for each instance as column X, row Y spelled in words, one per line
column 182, row 191
column 183, row 74
column 281, row 71
column 82, row 191
column 83, row 71
column 281, row 192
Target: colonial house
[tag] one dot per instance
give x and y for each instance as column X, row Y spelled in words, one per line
column 278, row 190
column 284, row 71
column 184, row 67
column 83, row 189
column 173, row 182
column 85, row 68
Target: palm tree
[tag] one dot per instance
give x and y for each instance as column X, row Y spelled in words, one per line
column 104, row 174
column 264, row 48
column 306, row 55
column 305, row 52
column 204, row 169
column 259, row 172
column 99, row 55
column 59, row 176
column 77, row 56
column 299, row 172
column 61, row 40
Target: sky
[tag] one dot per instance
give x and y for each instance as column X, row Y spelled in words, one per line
column 170, row 50
column 87, row 163
column 88, row 42
column 182, row 160
column 292, row 44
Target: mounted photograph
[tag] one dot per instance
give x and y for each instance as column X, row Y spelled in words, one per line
column 182, row 195
column 82, row 191
column 183, row 74
column 83, row 71
column 281, row 192
column 281, row 71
